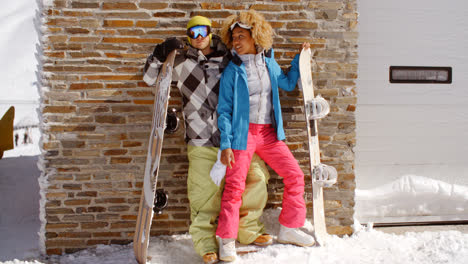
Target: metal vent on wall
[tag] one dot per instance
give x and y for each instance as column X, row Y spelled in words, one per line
column 420, row 74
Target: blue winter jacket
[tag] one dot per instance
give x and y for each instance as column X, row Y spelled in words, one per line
column 233, row 102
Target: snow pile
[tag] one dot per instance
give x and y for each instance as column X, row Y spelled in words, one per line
column 28, row 148
column 410, row 196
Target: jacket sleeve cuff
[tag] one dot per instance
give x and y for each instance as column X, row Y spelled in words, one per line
column 224, row 145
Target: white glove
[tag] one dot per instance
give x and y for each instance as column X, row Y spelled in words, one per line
column 218, row 171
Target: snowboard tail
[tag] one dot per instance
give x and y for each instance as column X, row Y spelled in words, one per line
column 145, row 212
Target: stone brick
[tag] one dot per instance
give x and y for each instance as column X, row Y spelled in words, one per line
column 58, row 38
column 60, row 211
column 59, row 109
column 104, row 32
column 146, row 23
column 140, row 93
column 169, row 14
column 119, row 160
column 211, row 14
column 326, row 14
column 86, row 86
column 77, row 13
column 54, row 251
column 90, row 23
column 131, row 32
column 103, row 93
column 122, row 225
column 184, row 6
column 94, row 242
column 78, row 4
column 153, row 6
column 84, row 54
column 50, row 226
column 302, row 25
column 65, row 243
column 55, row 54
column 121, row 5
column 118, row 23
column 77, row 30
column 127, row 56
column 62, row 22
column 121, row 208
column 110, row 119
column 210, row 6
column 108, row 217
column 106, row 234
column 110, row 200
column 115, row 152
column 112, row 77
column 94, row 225
column 234, row 6
column 130, row 144
column 123, row 15
column 130, row 40
column 87, row 194
column 73, row 144
column 266, row 7
column 72, row 128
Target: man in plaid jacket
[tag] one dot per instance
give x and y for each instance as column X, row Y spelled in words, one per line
column 197, row 70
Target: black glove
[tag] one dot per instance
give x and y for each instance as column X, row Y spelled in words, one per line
column 161, row 51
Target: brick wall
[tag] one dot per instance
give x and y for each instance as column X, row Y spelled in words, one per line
column 96, row 111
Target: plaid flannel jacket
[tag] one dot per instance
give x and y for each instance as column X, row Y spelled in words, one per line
column 197, row 77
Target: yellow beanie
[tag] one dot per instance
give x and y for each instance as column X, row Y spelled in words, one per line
column 198, row 21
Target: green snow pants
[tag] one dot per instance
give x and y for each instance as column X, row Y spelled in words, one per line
column 205, row 200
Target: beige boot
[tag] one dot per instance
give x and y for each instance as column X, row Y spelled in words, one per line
column 263, row 240
column 210, row 258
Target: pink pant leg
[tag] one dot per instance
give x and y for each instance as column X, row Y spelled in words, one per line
column 231, row 201
column 278, row 156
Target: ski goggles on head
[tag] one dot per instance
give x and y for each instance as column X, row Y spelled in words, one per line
column 239, row 24
column 196, row 31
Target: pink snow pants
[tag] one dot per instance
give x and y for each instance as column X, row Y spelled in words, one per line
column 262, row 140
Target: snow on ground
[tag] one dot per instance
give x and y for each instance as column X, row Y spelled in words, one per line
column 30, row 148
column 412, row 198
column 19, row 224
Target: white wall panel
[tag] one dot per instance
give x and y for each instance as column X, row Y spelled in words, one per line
column 411, row 129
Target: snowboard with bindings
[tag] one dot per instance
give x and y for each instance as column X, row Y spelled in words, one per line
column 322, row 175
column 149, row 193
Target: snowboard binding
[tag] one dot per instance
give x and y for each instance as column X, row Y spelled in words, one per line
column 318, row 108
column 172, row 121
column 324, row 175
column 160, row 201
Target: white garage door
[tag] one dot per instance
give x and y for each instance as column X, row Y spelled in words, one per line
column 412, row 139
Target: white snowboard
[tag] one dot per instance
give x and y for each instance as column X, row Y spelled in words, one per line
column 320, row 228
column 145, row 213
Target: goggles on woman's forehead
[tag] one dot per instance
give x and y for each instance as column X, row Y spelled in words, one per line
column 239, row 24
column 196, row 31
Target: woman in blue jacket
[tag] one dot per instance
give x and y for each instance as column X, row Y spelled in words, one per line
column 250, row 121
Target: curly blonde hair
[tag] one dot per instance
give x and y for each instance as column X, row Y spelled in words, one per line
column 261, row 30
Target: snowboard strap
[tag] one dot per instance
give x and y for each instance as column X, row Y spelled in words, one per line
column 318, row 108
column 324, row 175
